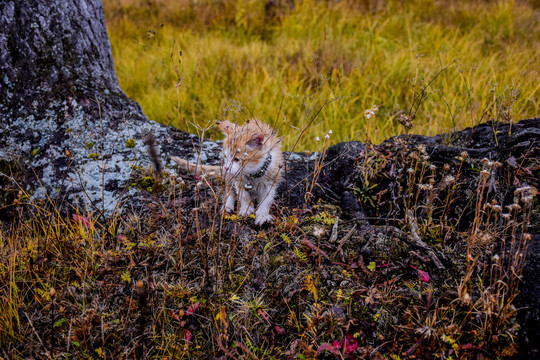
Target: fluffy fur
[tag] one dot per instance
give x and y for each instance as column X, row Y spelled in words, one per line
column 247, row 150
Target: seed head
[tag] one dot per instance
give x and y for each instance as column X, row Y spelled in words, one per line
column 369, row 113
column 318, row 231
column 448, row 179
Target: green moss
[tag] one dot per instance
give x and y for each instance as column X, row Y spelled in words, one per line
column 34, row 152
column 145, row 183
column 130, row 143
column 322, row 218
column 93, row 156
column 88, row 145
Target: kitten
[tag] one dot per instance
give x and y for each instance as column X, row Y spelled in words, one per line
column 252, row 168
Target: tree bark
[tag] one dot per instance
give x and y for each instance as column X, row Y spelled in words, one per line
column 54, row 48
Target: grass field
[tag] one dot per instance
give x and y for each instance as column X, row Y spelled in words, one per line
column 190, row 63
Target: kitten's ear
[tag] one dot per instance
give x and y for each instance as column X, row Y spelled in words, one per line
column 227, row 127
column 256, row 141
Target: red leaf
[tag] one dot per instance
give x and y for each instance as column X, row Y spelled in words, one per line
column 423, row 276
column 279, row 330
column 350, row 344
column 336, row 344
column 83, row 221
column 187, row 336
column 174, row 316
column 328, row 347
column 192, row 308
column 264, row 315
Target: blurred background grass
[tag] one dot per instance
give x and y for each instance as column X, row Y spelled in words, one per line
column 189, row 63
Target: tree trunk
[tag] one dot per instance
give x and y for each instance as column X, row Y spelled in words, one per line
column 54, row 49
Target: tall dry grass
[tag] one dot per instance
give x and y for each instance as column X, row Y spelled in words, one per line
column 193, row 63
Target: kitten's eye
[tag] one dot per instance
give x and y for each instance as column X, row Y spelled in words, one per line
column 236, row 159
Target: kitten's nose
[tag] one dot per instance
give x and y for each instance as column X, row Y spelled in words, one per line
column 226, row 168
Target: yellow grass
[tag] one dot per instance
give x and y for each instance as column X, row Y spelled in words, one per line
column 191, row 63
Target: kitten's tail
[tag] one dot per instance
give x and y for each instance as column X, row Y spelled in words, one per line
column 150, row 141
column 210, row 171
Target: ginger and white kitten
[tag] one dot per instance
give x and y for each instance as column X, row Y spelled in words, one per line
column 252, row 168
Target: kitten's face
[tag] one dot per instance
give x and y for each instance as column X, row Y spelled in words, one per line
column 243, row 151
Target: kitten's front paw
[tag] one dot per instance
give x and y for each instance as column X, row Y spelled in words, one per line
column 262, row 219
column 246, row 211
